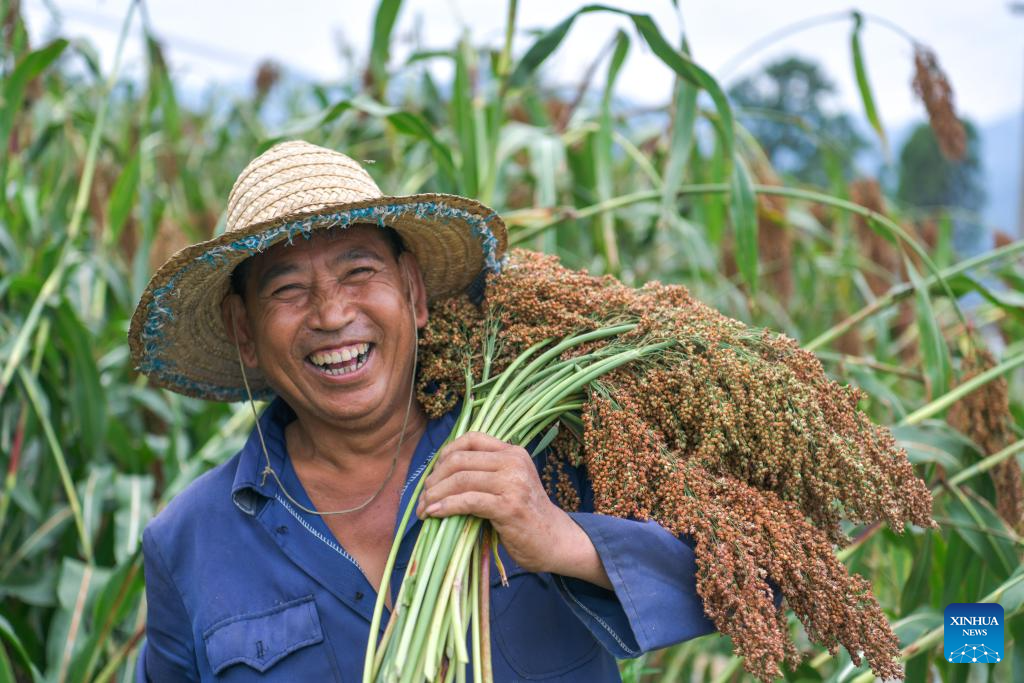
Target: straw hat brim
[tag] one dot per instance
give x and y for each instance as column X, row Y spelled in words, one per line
column 177, row 336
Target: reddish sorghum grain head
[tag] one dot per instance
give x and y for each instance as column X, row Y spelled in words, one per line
column 984, row 416
column 734, row 436
column 933, row 88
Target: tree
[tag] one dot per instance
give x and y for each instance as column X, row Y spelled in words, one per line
column 785, row 107
column 927, row 180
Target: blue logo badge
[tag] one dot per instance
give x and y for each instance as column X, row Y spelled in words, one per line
column 972, row 632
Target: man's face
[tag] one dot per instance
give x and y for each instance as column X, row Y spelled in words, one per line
column 329, row 321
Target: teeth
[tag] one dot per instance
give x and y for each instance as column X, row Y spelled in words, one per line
column 346, row 354
column 344, row 371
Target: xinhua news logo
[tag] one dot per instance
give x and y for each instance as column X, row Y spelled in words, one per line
column 972, row 633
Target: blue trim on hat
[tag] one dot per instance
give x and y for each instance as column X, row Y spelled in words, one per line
column 160, row 311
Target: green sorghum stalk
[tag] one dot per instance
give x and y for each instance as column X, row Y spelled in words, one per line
column 445, row 587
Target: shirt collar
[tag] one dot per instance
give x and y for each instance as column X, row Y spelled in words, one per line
column 251, row 487
column 249, row 479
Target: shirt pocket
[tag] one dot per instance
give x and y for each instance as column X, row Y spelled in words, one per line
column 534, row 630
column 285, row 642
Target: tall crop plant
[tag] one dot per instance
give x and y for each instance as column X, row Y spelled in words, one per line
column 103, row 177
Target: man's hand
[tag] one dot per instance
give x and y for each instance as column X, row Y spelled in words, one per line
column 479, row 475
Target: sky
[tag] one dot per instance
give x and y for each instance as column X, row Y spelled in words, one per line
column 979, row 44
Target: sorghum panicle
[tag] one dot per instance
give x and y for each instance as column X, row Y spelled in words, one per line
column 984, row 416
column 733, row 436
column 933, row 88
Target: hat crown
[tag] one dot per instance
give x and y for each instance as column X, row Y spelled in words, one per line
column 294, row 178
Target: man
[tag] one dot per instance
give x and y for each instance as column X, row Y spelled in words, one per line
column 268, row 565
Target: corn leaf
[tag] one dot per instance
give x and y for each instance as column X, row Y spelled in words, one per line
column 984, row 531
column 464, row 121
column 863, row 85
column 645, row 26
column 933, row 441
column 88, row 406
column 743, row 211
column 29, row 67
column 604, row 234
column 917, row 588
column 123, row 195
column 683, row 133
column 14, row 644
column 134, row 495
column 380, row 47
column 937, row 364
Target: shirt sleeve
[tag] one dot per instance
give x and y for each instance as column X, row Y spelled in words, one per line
column 654, row 602
column 169, row 654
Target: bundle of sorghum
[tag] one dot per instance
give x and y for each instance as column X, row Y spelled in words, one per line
column 733, row 436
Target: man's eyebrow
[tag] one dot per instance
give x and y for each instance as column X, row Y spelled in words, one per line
column 358, row 253
column 274, row 271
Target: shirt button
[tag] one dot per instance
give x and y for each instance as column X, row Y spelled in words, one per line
column 359, row 595
column 281, row 529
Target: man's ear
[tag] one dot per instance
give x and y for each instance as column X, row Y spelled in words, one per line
column 236, row 325
column 415, row 287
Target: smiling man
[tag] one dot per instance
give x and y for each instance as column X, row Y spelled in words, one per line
column 267, row 567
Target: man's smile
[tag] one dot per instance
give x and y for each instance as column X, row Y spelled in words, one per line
column 341, row 360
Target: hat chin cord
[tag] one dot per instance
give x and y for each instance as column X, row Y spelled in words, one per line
column 268, row 469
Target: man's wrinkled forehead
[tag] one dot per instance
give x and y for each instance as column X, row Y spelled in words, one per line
column 358, row 241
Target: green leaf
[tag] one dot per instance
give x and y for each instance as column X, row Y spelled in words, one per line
column 94, row 492
column 937, row 364
column 405, row 122
column 464, row 121
column 1015, row 633
column 917, row 589
column 684, row 127
column 743, row 211
column 954, row 564
column 28, row 68
column 933, row 441
column 134, row 494
column 42, row 537
column 77, row 587
column 88, row 405
column 916, row 624
column 35, row 398
column 604, row 235
column 36, row 587
column 984, row 531
column 8, row 634
column 1013, row 597
column 1009, row 300
column 861, row 72
column 111, row 606
column 380, row 47
column 648, row 29
column 122, row 196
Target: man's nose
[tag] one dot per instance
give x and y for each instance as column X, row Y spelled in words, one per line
column 330, row 309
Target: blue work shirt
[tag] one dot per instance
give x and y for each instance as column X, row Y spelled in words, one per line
column 241, row 585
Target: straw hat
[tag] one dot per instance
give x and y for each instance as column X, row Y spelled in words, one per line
column 176, row 335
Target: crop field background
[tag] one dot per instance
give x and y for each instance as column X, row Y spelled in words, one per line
column 104, row 177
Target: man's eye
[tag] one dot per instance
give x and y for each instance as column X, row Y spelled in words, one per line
column 362, row 270
column 285, row 289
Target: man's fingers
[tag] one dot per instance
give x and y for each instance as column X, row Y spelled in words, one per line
column 478, row 503
column 461, row 482
column 474, row 441
column 454, row 461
